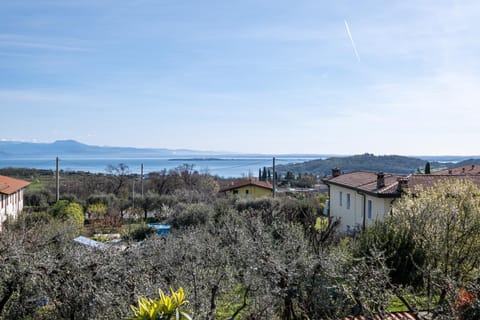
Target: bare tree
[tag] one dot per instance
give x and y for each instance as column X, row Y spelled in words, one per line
column 121, row 174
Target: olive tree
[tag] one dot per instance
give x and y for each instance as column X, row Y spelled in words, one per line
column 444, row 221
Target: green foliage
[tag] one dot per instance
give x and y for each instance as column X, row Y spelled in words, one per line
column 191, row 215
column 305, row 181
column 103, row 198
column 100, row 237
column 230, row 302
column 265, row 203
column 71, row 211
column 164, row 308
column 70, row 197
column 138, row 232
column 58, row 208
column 240, row 259
column 367, row 162
column 416, row 298
column 97, row 210
column 427, row 168
column 33, row 218
column 46, row 312
column 370, row 299
column 444, row 222
column 404, row 257
column 321, row 224
column 38, row 197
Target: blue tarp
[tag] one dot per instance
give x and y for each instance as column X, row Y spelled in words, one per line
column 161, row 229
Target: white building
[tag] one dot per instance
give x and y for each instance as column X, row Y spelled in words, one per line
column 11, row 197
column 361, row 197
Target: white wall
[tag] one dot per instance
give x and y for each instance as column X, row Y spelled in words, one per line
column 380, row 208
column 348, row 216
column 10, row 205
column 353, row 217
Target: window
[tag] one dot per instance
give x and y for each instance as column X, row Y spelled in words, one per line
column 246, row 191
column 369, row 209
column 341, row 198
column 235, row 191
column 348, row 200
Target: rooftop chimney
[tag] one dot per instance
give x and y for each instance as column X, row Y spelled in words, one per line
column 402, row 184
column 473, row 166
column 380, row 180
column 336, row 172
column 463, row 170
column 449, row 171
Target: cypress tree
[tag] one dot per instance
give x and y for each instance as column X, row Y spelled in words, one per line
column 427, row 168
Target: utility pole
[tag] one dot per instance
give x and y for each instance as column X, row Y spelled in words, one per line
column 141, row 178
column 273, row 178
column 133, row 194
column 57, row 181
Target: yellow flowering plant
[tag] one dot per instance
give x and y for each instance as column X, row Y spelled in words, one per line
column 166, row 307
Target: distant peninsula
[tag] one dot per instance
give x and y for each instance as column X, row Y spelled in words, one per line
column 369, row 162
column 72, row 148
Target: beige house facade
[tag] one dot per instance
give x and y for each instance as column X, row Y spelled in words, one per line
column 11, row 198
column 248, row 188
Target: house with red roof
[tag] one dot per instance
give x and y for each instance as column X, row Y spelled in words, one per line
column 248, row 188
column 361, row 197
column 11, row 197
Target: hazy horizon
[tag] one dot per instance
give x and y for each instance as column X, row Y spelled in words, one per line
column 240, row 154
column 269, row 77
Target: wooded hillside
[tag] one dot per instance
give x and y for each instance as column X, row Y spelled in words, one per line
column 367, row 162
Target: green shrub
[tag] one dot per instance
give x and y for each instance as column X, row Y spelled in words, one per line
column 65, row 210
column 265, row 203
column 35, row 218
column 191, row 215
column 38, row 198
column 138, row 232
column 404, row 257
column 97, row 210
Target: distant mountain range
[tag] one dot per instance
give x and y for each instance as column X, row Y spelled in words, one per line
column 322, row 164
column 70, row 148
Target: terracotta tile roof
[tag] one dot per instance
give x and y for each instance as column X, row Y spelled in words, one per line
column 470, row 169
column 366, row 181
column 10, row 185
column 389, row 316
column 247, row 182
column 429, row 180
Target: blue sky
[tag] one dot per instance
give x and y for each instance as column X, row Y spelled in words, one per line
column 268, row 76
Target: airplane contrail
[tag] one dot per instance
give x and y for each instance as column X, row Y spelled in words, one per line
column 351, row 40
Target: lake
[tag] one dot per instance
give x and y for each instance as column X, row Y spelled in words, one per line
column 224, row 166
